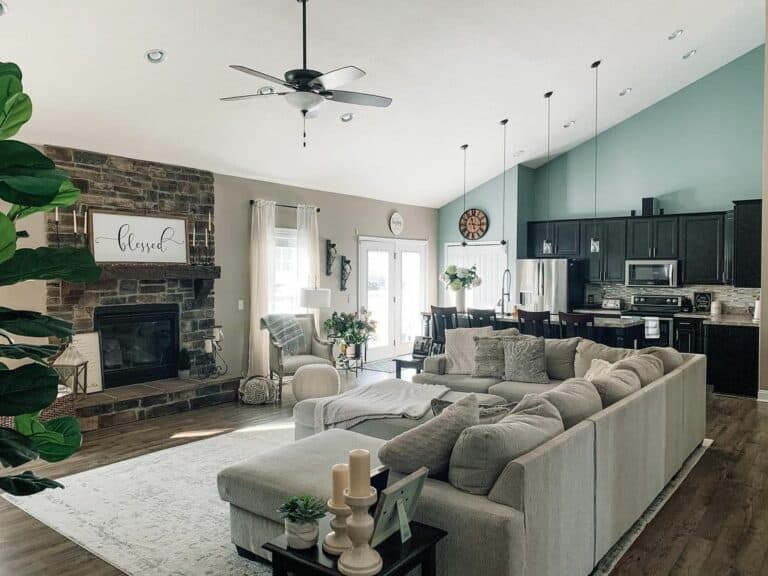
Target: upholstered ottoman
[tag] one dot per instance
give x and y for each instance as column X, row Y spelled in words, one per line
column 384, row 428
column 315, row 381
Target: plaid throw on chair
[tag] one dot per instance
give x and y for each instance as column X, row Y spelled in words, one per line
column 286, row 331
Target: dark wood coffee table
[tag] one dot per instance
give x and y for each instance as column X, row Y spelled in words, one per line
column 398, row 558
column 408, row 361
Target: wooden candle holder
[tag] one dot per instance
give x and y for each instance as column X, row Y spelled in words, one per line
column 337, row 541
column 361, row 559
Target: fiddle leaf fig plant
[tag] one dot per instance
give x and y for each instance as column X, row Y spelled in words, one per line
column 31, row 183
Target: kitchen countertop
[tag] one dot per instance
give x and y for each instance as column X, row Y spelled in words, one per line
column 599, row 311
column 599, row 322
column 732, row 320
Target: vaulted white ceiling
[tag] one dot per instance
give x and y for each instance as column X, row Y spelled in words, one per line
column 453, row 67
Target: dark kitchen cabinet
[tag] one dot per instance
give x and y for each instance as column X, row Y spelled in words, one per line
column 652, row 237
column 732, row 365
column 747, row 230
column 564, row 235
column 689, row 335
column 608, row 264
column 701, row 248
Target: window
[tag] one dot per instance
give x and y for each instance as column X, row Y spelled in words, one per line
column 285, row 298
column 491, row 261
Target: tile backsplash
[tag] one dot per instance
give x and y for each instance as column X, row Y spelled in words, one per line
column 735, row 300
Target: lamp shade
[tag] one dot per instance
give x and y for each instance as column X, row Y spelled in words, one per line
column 315, row 298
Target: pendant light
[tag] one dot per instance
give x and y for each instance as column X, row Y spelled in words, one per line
column 464, row 148
column 504, row 185
column 594, row 241
column 546, row 247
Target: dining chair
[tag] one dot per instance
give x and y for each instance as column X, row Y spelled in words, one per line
column 443, row 318
column 572, row 324
column 535, row 323
column 479, row 317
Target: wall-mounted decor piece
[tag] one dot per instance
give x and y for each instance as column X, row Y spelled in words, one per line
column 346, row 272
column 473, row 224
column 330, row 256
column 396, row 223
column 127, row 238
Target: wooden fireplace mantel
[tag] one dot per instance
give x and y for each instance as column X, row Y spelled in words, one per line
column 159, row 272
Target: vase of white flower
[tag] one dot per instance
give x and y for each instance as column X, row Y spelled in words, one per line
column 459, row 280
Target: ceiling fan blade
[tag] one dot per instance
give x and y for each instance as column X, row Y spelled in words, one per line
column 338, row 77
column 357, row 98
column 248, row 96
column 261, row 75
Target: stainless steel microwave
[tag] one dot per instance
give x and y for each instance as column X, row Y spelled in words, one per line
column 662, row 273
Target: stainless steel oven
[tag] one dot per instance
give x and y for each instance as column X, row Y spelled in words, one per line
column 660, row 273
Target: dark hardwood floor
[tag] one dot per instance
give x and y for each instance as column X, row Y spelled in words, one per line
column 715, row 524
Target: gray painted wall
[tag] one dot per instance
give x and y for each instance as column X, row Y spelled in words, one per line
column 341, row 219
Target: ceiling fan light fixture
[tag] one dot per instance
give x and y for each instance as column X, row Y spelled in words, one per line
column 302, row 100
column 347, row 117
column 676, row 34
column 266, row 90
column 689, row 54
column 155, row 56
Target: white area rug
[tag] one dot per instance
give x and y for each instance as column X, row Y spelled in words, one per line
column 160, row 514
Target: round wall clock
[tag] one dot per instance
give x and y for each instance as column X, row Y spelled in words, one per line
column 473, row 224
column 396, row 223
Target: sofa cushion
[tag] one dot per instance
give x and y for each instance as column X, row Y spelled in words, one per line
column 482, row 451
column 671, row 358
column 614, row 384
column 513, row 391
column 648, row 368
column 588, row 350
column 576, row 399
column 460, row 349
column 489, row 414
column 524, row 360
column 293, row 363
column 560, row 355
column 457, row 382
column 431, row 443
column 435, row 364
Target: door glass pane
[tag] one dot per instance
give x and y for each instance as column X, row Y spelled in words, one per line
column 412, row 296
column 378, row 296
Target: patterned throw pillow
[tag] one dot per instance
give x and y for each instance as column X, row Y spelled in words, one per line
column 489, row 353
column 524, row 360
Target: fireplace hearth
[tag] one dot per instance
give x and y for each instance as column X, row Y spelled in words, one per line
column 139, row 343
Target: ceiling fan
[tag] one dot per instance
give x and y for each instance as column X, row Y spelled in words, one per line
column 307, row 89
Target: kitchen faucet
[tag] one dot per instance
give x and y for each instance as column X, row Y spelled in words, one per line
column 506, row 288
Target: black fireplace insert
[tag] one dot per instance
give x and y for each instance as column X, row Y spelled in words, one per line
column 139, row 343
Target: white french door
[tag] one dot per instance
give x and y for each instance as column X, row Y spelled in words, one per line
column 392, row 285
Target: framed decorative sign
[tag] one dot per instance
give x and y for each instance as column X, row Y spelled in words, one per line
column 128, row 238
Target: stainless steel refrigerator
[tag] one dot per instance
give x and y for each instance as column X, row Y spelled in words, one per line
column 552, row 284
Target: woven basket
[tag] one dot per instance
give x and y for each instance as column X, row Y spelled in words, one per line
column 258, row 390
column 64, row 405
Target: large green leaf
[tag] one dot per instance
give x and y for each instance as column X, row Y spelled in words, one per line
column 54, row 440
column 14, row 113
column 15, row 448
column 7, row 238
column 27, row 323
column 19, row 351
column 26, row 484
column 31, row 186
column 10, row 85
column 10, row 69
column 69, row 264
column 15, row 154
column 67, row 195
column 28, row 388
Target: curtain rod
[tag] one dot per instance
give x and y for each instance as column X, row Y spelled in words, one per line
column 282, row 205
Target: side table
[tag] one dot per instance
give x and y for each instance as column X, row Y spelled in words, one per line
column 399, row 559
column 408, row 361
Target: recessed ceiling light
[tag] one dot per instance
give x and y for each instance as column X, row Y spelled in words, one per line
column 155, row 56
column 266, row 90
column 676, row 34
column 347, row 117
column 691, row 52
column 569, row 124
column 3, row 8
column 626, row 91
column 518, row 153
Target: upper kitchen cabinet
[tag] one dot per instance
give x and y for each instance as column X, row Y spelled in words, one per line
column 747, row 230
column 564, row 235
column 701, row 248
column 652, row 237
column 608, row 264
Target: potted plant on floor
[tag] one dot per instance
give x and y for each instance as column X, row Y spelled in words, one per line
column 351, row 330
column 459, row 280
column 184, row 363
column 301, row 515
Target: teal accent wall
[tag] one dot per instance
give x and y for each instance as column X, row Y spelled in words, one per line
column 696, row 150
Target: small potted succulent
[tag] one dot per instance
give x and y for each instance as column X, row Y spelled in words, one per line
column 184, row 363
column 301, row 515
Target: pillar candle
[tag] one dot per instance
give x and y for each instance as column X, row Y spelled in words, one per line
column 74, row 220
column 85, row 222
column 359, row 473
column 206, row 237
column 56, row 214
column 209, row 220
column 340, row 478
column 193, row 233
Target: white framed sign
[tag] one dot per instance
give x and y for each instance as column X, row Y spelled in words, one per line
column 122, row 237
column 88, row 344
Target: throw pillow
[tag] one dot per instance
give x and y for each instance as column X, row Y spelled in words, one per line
column 587, row 350
column 671, row 358
column 576, row 399
column 560, row 355
column 613, row 385
column 647, row 367
column 524, row 360
column 482, row 451
column 430, row 444
column 597, row 367
column 488, row 414
column 460, row 349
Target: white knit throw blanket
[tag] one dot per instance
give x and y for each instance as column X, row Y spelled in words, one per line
column 388, row 399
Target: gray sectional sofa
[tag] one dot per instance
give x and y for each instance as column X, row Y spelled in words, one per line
column 555, row 510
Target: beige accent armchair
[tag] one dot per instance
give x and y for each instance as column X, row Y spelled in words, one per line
column 313, row 351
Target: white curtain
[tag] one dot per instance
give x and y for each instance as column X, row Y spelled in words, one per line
column 307, row 248
column 262, row 249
